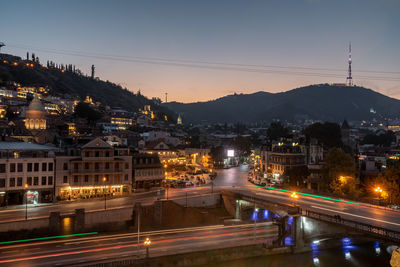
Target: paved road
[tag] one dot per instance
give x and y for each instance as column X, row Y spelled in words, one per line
column 18, row 212
column 164, row 242
column 225, row 178
column 361, row 213
column 232, row 177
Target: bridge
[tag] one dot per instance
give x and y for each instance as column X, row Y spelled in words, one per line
column 307, row 222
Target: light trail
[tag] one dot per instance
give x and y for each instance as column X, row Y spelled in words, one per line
column 47, row 237
column 359, row 216
column 305, row 194
column 126, row 246
column 130, row 235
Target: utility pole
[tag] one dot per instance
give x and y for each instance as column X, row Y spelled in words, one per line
column 137, row 207
column 255, row 219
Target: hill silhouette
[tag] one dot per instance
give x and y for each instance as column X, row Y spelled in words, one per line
column 321, row 102
column 74, row 84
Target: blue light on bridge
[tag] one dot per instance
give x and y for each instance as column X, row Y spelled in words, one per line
column 266, row 214
column 254, row 216
column 377, row 247
column 290, row 220
column 347, row 243
column 314, row 246
column 289, row 241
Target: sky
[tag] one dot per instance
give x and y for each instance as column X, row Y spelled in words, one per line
column 198, row 50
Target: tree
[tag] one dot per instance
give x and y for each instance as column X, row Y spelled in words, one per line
column 217, row 155
column 242, row 145
column 327, row 133
column 84, row 110
column 276, row 131
column 337, row 163
column 383, row 139
column 389, row 183
column 296, row 175
column 345, row 186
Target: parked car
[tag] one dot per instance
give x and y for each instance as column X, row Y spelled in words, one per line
column 189, row 184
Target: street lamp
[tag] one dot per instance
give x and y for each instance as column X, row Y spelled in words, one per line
column 294, row 196
column 104, row 192
column 379, row 191
column 147, row 243
column 26, row 201
column 342, row 179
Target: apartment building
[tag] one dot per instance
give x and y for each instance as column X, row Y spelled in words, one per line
column 26, row 173
column 95, row 169
column 148, row 172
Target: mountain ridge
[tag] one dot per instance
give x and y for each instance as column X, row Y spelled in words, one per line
column 321, row 101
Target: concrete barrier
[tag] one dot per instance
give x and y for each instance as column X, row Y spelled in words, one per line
column 200, row 201
column 22, row 225
column 107, row 216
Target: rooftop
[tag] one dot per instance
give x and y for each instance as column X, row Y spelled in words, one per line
column 19, row 146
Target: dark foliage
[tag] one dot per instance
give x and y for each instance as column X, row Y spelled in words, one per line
column 327, row 133
column 382, row 140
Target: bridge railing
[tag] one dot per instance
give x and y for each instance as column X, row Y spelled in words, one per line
column 358, row 226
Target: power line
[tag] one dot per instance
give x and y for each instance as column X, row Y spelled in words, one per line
column 299, row 71
column 192, row 61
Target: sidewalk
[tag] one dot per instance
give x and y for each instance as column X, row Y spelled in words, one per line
column 77, row 200
column 22, row 206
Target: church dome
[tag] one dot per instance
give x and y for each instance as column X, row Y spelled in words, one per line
column 36, row 104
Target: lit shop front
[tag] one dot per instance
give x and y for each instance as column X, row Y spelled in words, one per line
column 32, row 197
column 93, row 191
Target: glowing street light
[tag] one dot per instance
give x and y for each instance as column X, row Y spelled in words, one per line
column 147, row 243
column 26, row 201
column 104, row 192
column 379, row 191
column 294, row 196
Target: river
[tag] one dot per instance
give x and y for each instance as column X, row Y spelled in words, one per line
column 367, row 254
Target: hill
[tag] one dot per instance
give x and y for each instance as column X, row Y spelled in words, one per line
column 320, row 102
column 73, row 83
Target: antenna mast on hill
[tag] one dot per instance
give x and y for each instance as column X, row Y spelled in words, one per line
column 166, row 97
column 349, row 77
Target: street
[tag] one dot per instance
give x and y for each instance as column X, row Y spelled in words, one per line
column 361, row 213
column 232, row 177
column 63, row 252
column 225, row 178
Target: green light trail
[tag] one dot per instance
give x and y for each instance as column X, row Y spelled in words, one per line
column 305, row 194
column 46, row 238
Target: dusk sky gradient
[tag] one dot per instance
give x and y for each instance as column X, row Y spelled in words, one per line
column 298, row 33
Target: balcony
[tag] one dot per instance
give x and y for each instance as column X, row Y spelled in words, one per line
column 95, row 171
